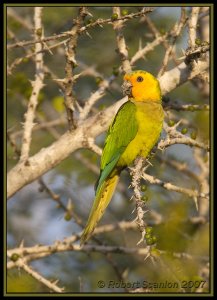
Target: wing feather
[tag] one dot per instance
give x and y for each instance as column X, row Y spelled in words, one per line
column 121, row 132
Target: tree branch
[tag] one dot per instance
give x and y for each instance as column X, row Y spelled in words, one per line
column 192, row 25
column 176, row 32
column 37, row 85
column 122, row 47
column 51, row 285
column 67, row 34
column 26, row 254
column 51, row 156
column 171, row 187
column 136, row 173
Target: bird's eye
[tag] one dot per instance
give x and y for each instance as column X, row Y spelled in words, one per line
column 139, row 79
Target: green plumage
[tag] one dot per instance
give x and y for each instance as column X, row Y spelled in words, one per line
column 133, row 132
column 121, row 132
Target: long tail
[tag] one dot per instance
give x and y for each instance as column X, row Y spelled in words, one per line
column 101, row 201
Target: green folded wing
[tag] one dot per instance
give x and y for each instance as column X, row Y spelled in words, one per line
column 121, row 132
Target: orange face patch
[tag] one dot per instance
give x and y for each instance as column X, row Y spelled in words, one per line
column 145, row 87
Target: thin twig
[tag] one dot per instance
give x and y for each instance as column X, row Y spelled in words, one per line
column 121, row 43
column 71, row 63
column 192, row 25
column 32, row 253
column 171, row 187
column 104, row 85
column 37, row 85
column 157, row 34
column 172, row 105
column 67, row 34
column 203, row 204
column 51, row 285
column 142, row 52
column 176, row 32
column 176, row 137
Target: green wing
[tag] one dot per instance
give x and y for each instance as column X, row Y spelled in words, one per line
column 121, row 132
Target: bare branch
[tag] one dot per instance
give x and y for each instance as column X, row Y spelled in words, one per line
column 141, row 53
column 67, row 34
column 171, row 187
column 71, row 63
column 157, row 34
column 37, row 85
column 180, row 74
column 136, row 174
column 24, row 22
column 26, row 254
column 49, row 157
column 203, row 204
column 176, row 32
column 122, row 47
column 192, row 25
column 104, row 84
column 185, row 107
column 176, row 137
column 51, row 285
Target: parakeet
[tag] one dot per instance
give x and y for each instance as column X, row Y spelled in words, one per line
column 133, row 132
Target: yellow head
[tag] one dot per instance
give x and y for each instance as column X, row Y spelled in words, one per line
column 141, row 86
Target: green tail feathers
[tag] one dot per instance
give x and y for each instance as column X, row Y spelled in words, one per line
column 101, row 201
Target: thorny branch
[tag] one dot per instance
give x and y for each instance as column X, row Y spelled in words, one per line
column 71, row 63
column 51, row 285
column 174, row 136
column 136, row 174
column 67, row 34
column 27, row 254
column 171, row 187
column 37, row 85
column 157, row 34
column 195, row 64
column 70, row 142
column 175, row 33
column 122, row 47
column 192, row 24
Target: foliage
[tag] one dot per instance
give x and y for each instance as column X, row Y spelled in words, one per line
column 56, row 205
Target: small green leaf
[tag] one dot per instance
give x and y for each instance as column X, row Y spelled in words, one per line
column 124, row 12
column 15, row 257
column 184, row 130
column 149, row 241
column 58, row 104
column 162, row 31
column 67, row 216
column 114, row 17
column 144, row 198
column 91, row 20
column 171, row 123
column 154, row 239
column 143, row 188
column 98, row 79
column 25, row 59
column 191, row 108
column 198, row 42
column 193, row 135
column 39, row 32
column 149, row 229
column 148, row 236
column 155, row 252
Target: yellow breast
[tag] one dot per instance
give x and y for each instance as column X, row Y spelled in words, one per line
column 149, row 116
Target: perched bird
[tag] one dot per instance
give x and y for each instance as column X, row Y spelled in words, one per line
column 133, row 132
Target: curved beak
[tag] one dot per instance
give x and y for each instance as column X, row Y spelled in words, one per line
column 127, row 88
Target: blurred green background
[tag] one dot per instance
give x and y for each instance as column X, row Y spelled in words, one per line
column 34, row 217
